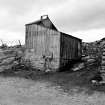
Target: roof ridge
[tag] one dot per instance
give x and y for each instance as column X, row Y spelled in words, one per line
column 41, row 22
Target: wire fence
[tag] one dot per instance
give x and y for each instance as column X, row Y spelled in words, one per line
column 11, row 43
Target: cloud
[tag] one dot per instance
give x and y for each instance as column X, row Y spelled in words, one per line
column 81, row 15
column 90, row 35
column 15, row 13
column 69, row 16
column 20, row 7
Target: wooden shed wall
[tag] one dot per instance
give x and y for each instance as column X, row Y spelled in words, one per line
column 70, row 49
column 41, row 41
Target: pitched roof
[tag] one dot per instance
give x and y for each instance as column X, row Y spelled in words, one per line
column 70, row 36
column 44, row 21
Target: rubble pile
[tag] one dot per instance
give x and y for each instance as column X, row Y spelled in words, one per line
column 12, row 60
column 86, row 62
column 91, row 54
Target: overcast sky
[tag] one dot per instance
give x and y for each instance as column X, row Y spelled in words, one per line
column 84, row 19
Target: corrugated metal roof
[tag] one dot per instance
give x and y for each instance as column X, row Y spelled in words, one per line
column 71, row 36
column 46, row 22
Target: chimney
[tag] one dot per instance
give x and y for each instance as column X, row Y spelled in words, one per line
column 44, row 17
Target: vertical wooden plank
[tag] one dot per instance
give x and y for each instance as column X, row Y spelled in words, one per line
column 29, row 37
column 43, row 39
column 26, row 36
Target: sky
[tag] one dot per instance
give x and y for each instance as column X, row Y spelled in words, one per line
column 84, row 19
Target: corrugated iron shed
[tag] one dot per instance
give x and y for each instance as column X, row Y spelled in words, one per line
column 49, row 48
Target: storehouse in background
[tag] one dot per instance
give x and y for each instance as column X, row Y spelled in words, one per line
column 49, row 48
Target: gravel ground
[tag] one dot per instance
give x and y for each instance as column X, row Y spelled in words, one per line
column 19, row 91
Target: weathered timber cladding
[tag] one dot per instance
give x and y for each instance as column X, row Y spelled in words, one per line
column 70, row 48
column 41, row 41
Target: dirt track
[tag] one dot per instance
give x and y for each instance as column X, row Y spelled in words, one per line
column 19, row 91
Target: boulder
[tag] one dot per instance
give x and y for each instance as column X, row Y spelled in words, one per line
column 91, row 60
column 78, row 66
